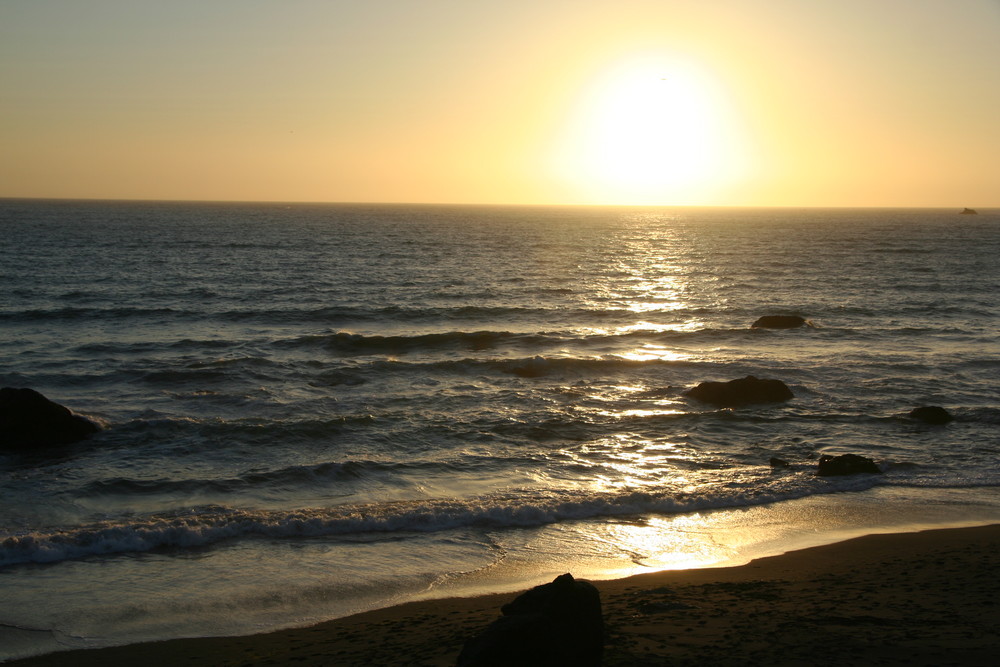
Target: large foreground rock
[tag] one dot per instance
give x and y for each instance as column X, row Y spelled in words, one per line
column 28, row 420
column 845, row 464
column 744, row 391
column 558, row 624
column 779, row 322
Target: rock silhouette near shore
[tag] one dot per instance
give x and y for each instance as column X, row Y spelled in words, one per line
column 558, row 624
column 29, row 421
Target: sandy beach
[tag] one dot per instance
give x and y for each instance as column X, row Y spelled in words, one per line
column 926, row 598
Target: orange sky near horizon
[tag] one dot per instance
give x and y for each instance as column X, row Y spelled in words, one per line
column 734, row 102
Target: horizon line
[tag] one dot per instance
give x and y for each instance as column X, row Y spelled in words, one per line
column 288, row 202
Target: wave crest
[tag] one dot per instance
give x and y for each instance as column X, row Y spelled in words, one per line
column 207, row 526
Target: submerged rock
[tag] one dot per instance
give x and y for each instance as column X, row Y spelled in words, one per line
column 744, row 391
column 532, row 368
column 845, row 464
column 931, row 414
column 29, row 420
column 776, row 463
column 553, row 625
column 779, row 322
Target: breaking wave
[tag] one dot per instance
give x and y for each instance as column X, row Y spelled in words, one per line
column 208, row 526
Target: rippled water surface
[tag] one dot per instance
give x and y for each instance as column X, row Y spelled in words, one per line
column 311, row 409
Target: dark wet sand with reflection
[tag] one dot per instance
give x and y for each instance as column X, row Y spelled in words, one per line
column 927, row 598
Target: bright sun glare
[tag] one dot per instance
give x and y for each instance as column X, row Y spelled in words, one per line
column 651, row 131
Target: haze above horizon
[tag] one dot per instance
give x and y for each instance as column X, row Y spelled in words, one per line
column 730, row 103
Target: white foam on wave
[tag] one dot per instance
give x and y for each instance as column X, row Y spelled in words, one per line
column 213, row 524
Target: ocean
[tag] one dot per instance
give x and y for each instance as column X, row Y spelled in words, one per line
column 316, row 409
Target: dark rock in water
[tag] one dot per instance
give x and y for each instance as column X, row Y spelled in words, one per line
column 779, row 463
column 29, row 420
column 845, row 464
column 779, row 322
column 533, row 368
column 744, row 391
column 553, row 625
column 931, row 414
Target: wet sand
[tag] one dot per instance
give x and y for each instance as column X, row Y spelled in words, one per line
column 927, row 598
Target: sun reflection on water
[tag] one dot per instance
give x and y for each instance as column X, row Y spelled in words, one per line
column 665, row 543
column 660, row 327
column 641, row 412
column 653, row 353
column 627, row 462
column 651, row 306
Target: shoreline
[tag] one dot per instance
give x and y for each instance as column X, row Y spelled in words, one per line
column 922, row 598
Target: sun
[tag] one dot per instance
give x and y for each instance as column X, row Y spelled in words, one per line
column 651, row 131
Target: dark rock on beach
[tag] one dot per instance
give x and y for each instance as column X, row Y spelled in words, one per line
column 845, row 464
column 744, row 391
column 28, row 420
column 779, row 322
column 552, row 625
column 931, row 414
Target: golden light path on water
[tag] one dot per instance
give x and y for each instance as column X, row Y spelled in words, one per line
column 635, row 462
column 630, row 460
column 669, row 544
column 652, row 352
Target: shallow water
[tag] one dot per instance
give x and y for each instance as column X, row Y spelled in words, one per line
column 316, row 409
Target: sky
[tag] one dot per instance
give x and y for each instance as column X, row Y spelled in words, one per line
column 673, row 102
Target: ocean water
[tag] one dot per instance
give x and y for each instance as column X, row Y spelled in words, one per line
column 312, row 410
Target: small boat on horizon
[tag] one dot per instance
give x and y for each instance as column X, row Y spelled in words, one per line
column 968, row 211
